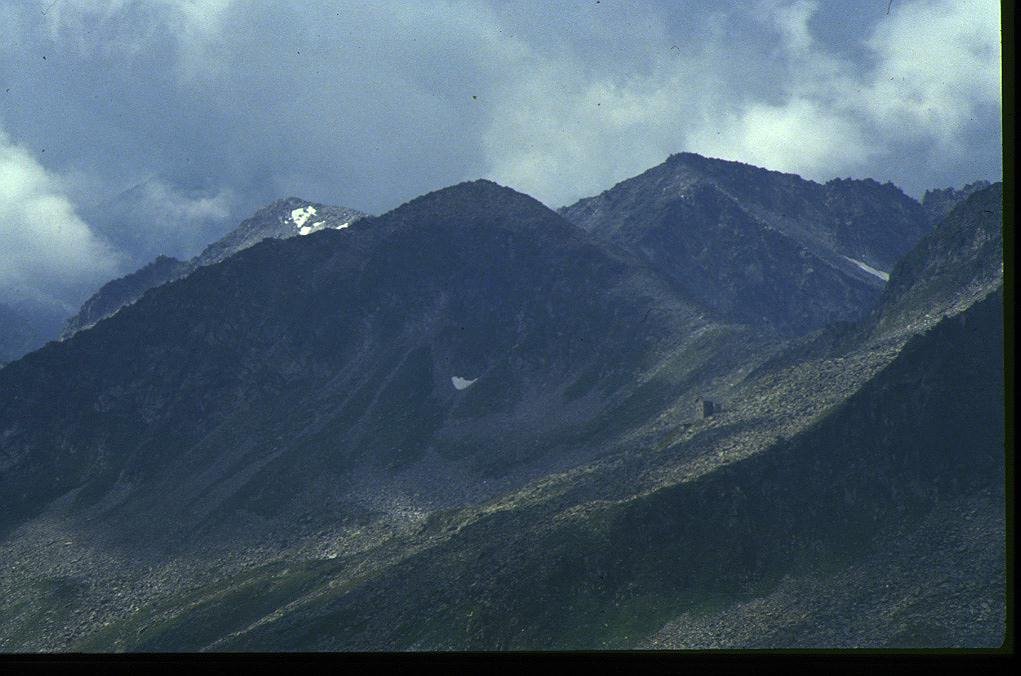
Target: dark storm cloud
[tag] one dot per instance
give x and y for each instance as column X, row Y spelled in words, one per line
column 232, row 104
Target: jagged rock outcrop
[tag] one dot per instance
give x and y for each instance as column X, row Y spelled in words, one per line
column 939, row 203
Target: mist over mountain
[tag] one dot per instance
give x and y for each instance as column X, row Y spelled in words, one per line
column 157, row 218
column 475, row 423
column 149, row 221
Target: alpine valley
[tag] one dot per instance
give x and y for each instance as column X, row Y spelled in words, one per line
column 715, row 406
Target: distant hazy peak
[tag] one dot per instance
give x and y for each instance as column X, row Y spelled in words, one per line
column 281, row 219
column 122, row 291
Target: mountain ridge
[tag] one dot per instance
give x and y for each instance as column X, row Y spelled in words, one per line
column 464, row 285
column 469, row 424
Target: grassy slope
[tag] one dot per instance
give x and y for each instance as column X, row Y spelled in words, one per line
column 556, row 572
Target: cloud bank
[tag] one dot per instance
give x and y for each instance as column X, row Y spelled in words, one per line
column 230, row 104
column 927, row 91
column 157, row 217
column 48, row 251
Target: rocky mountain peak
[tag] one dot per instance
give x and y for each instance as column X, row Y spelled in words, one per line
column 478, row 204
column 761, row 246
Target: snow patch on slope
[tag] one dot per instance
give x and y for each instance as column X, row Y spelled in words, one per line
column 462, row 383
column 885, row 276
column 300, row 215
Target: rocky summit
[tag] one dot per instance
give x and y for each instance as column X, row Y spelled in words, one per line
column 715, row 406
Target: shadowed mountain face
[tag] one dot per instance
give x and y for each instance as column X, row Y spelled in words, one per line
column 764, row 248
column 460, row 329
column 467, row 424
column 853, row 498
column 957, row 264
column 285, row 218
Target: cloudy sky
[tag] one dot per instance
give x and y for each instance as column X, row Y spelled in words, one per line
column 133, row 127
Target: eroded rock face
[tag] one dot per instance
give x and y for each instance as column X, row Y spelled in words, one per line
column 952, row 267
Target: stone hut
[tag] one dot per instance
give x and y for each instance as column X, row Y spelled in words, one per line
column 704, row 408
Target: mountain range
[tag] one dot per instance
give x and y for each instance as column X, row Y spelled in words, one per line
column 474, row 422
